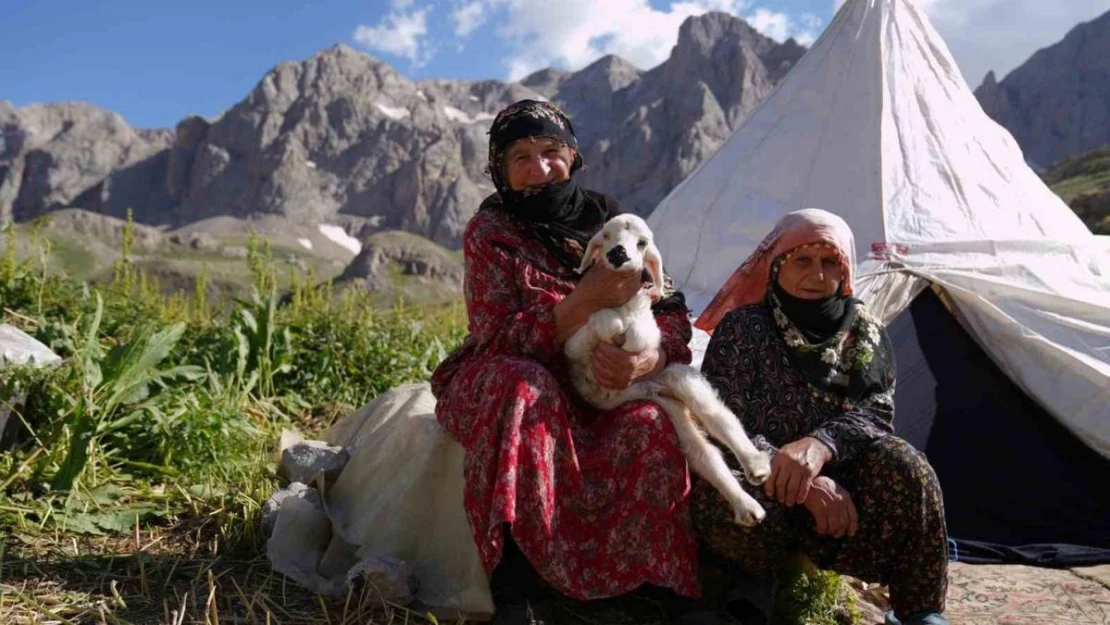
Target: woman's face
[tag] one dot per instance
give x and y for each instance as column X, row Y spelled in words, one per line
column 536, row 161
column 811, row 272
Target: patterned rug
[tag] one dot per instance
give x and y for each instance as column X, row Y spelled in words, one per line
column 1013, row 595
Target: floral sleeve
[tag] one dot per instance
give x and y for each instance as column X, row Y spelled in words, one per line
column 499, row 322
column 863, row 423
column 673, row 318
column 729, row 365
column 677, row 332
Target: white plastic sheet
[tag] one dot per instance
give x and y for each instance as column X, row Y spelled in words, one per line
column 19, row 348
column 400, row 495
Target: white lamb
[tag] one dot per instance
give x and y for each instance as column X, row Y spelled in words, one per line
column 625, row 244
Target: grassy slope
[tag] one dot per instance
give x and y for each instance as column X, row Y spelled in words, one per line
column 1084, row 183
column 177, row 267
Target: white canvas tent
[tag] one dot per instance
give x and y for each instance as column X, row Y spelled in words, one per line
column 876, row 124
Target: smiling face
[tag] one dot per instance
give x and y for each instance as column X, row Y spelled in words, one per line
column 811, row 272
column 536, row 161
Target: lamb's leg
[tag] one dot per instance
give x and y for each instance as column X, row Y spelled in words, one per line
column 688, row 385
column 706, row 461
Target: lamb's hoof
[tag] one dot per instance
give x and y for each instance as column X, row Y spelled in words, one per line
column 758, row 468
column 750, row 515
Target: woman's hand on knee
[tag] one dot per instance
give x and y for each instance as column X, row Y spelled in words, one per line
column 832, row 508
column 794, row 468
column 615, row 368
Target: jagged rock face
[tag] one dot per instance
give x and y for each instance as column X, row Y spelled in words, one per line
column 1057, row 104
column 390, row 259
column 342, row 138
column 342, row 134
column 665, row 122
column 50, row 155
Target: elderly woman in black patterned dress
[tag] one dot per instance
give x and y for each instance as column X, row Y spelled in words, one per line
column 811, row 374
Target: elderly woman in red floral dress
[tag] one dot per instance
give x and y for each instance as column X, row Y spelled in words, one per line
column 596, row 501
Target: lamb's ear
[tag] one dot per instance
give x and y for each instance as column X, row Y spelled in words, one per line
column 593, row 250
column 653, row 261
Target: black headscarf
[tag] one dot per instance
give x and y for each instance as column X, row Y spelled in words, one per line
column 817, row 319
column 835, row 344
column 562, row 215
column 557, row 211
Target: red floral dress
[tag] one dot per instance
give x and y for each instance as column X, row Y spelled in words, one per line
column 596, row 500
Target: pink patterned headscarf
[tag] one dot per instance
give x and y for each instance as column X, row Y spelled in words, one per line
column 748, row 284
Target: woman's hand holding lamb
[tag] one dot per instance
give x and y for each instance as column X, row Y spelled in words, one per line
column 599, row 288
column 602, row 287
column 615, row 368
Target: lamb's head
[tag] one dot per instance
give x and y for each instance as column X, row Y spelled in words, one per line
column 625, row 243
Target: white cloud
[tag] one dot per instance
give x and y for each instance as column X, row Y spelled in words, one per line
column 468, row 17
column 810, row 29
column 575, row 35
column 584, row 30
column 1002, row 34
column 401, row 34
column 775, row 25
column 779, row 26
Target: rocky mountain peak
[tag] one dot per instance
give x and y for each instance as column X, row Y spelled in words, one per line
column 610, row 70
column 1055, row 104
column 545, row 81
column 340, row 138
column 700, row 35
column 731, row 58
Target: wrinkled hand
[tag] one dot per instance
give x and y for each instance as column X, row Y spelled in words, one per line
column 602, row 287
column 615, row 368
column 793, row 469
column 832, row 508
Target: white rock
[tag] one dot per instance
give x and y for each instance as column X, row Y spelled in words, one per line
column 339, row 236
column 392, row 112
column 461, row 116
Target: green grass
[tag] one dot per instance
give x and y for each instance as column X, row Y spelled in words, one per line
column 1084, row 183
column 131, row 490
column 139, row 465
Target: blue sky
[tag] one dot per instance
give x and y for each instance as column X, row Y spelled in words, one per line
column 156, row 62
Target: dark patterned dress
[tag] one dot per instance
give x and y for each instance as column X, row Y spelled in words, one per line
column 901, row 538
column 597, row 500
